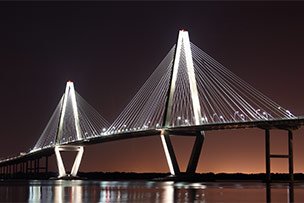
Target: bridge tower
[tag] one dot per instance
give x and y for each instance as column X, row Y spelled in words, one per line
column 182, row 48
column 69, row 97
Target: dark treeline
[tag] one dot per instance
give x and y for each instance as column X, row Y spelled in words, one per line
column 187, row 177
column 203, row 177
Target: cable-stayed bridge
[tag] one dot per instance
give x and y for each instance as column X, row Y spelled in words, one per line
column 188, row 94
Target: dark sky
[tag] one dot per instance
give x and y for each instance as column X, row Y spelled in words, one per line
column 110, row 49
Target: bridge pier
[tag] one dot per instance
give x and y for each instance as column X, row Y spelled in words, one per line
column 36, row 162
column 26, row 167
column 46, row 164
column 31, row 166
column 14, row 169
column 77, row 161
column 169, row 152
column 170, row 155
column 196, row 151
column 267, row 154
column 289, row 156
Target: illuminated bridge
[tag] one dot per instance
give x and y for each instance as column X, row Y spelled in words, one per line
column 188, row 94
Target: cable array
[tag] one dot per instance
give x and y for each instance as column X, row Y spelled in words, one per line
column 146, row 109
column 223, row 97
column 48, row 136
column 90, row 122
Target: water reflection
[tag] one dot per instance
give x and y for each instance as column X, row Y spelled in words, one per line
column 150, row 191
column 58, row 191
column 289, row 192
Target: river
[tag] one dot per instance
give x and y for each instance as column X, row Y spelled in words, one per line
column 146, row 191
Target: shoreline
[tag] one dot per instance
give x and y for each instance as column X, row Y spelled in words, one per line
column 198, row 177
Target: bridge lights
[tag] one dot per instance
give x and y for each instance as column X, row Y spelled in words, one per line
column 186, row 122
column 179, row 120
column 123, row 128
column 234, row 115
column 265, row 115
column 113, row 129
column 257, row 113
column 215, row 115
column 242, row 117
column 204, row 119
column 289, row 114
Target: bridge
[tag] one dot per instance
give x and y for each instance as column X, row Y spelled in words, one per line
column 188, row 94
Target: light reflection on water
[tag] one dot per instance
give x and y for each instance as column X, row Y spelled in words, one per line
column 61, row 191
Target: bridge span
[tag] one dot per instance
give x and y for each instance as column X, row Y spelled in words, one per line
column 188, row 94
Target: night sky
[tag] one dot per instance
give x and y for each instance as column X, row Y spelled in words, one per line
column 109, row 49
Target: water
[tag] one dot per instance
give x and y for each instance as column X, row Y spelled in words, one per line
column 145, row 191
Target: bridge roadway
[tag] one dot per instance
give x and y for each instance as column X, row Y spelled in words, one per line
column 284, row 124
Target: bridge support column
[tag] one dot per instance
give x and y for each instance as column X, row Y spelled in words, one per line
column 46, row 164
column 23, row 167
column 60, row 165
column 170, row 155
column 289, row 156
column 196, row 151
column 26, row 166
column 169, row 152
column 36, row 166
column 267, row 154
column 31, row 166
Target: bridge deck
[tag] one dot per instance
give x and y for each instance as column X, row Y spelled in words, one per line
column 292, row 124
column 285, row 124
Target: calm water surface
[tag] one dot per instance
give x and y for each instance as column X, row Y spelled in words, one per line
column 145, row 191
